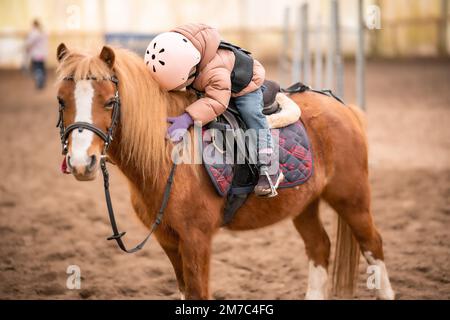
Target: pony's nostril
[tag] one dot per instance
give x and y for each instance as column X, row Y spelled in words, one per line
column 68, row 162
column 92, row 163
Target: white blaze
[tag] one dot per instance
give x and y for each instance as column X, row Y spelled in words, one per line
column 317, row 282
column 81, row 141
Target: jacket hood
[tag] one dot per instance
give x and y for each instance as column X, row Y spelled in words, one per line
column 205, row 39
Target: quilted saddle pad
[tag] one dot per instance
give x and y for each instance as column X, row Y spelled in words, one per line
column 295, row 159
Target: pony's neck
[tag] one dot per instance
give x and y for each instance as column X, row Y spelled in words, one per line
column 177, row 102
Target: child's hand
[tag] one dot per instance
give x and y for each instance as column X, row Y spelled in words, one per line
column 179, row 126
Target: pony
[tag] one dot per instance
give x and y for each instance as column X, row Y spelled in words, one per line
column 194, row 213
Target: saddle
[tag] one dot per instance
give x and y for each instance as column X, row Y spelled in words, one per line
column 270, row 90
column 236, row 180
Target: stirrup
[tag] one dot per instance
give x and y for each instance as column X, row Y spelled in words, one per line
column 273, row 188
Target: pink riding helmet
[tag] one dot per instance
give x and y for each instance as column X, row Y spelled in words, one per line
column 170, row 57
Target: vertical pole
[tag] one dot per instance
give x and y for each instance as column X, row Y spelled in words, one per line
column 337, row 52
column 284, row 64
column 318, row 54
column 296, row 63
column 102, row 16
column 243, row 26
column 329, row 83
column 305, row 44
column 442, row 45
column 360, row 58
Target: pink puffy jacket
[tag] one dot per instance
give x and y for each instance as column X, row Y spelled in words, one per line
column 214, row 73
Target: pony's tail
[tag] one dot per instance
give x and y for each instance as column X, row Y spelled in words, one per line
column 346, row 261
column 347, row 254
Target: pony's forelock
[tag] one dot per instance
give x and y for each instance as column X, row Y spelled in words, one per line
column 79, row 65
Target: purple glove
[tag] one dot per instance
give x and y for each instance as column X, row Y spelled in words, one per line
column 179, row 126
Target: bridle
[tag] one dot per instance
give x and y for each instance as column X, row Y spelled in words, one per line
column 107, row 138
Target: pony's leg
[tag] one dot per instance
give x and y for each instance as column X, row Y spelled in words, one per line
column 317, row 245
column 195, row 249
column 355, row 210
column 175, row 258
column 371, row 246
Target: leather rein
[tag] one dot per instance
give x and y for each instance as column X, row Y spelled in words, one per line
column 107, row 138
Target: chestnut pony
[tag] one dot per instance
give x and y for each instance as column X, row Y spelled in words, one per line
column 194, row 213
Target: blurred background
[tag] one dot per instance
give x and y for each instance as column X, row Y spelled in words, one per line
column 389, row 57
column 406, row 27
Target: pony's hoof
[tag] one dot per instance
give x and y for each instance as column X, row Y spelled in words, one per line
column 386, row 294
column 315, row 295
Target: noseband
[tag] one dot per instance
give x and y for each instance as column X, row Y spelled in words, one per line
column 107, row 138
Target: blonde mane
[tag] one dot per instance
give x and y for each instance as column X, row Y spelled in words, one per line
column 144, row 107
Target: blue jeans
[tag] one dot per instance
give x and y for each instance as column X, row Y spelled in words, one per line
column 39, row 73
column 250, row 107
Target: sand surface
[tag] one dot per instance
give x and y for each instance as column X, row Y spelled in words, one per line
column 49, row 221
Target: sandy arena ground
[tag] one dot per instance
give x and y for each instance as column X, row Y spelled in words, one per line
column 49, row 221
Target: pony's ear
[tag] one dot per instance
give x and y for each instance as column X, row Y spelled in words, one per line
column 61, row 52
column 107, row 55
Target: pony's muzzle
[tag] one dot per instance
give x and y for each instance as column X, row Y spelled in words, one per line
column 92, row 164
column 83, row 172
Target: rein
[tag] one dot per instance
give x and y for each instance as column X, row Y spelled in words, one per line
column 118, row 235
column 107, row 138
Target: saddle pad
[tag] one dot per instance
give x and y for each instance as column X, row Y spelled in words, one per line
column 295, row 153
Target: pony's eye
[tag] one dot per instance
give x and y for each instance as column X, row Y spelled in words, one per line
column 61, row 102
column 110, row 104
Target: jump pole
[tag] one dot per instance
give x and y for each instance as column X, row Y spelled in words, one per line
column 306, row 76
column 360, row 59
column 335, row 25
column 284, row 56
column 318, row 55
column 296, row 62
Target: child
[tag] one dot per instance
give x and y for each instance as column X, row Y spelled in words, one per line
column 189, row 55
